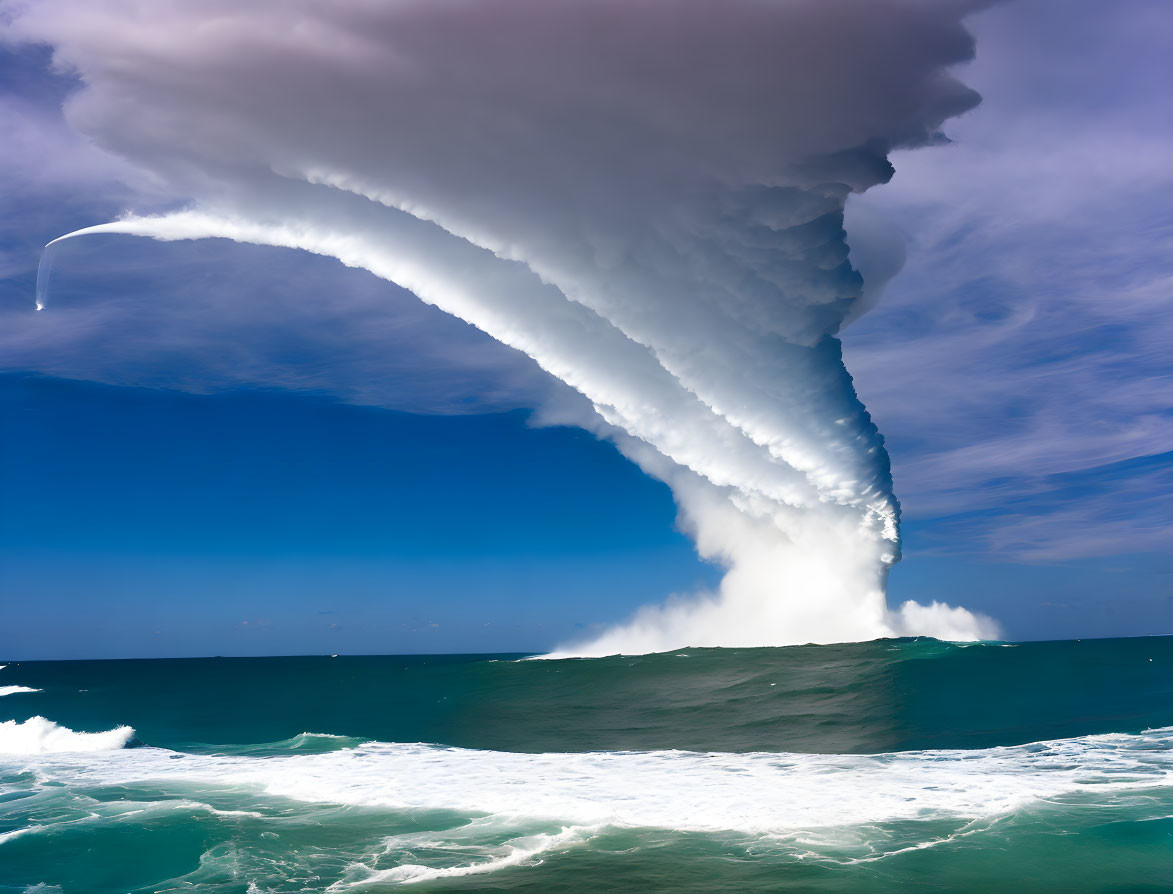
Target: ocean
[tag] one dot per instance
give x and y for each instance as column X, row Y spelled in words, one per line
column 894, row 765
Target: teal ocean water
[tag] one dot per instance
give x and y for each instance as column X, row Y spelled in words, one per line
column 896, row 765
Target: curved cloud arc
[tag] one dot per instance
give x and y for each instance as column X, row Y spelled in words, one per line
column 647, row 199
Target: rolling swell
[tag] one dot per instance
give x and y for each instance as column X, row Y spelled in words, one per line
column 887, row 695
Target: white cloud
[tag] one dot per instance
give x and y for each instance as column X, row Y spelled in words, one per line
column 646, row 199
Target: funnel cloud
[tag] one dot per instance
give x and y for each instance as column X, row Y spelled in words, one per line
column 645, row 198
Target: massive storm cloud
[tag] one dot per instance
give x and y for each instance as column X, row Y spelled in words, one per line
column 644, row 197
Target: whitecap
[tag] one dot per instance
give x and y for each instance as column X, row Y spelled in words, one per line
column 38, row 735
column 12, row 690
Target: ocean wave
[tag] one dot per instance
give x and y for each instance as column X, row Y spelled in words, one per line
column 85, row 811
column 17, row 833
column 12, row 690
column 123, row 809
column 302, row 743
column 514, row 852
column 757, row 793
column 911, row 646
column 890, row 695
column 39, row 735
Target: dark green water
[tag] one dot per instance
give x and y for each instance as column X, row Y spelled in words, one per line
column 885, row 766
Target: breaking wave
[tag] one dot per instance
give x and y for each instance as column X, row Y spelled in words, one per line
column 38, row 735
column 758, row 793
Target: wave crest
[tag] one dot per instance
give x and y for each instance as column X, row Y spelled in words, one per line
column 39, row 735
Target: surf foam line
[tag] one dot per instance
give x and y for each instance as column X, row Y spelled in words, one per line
column 653, row 214
column 756, row 793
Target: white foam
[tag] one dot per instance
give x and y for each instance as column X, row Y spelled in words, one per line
column 512, row 853
column 12, row 690
column 38, row 735
column 182, row 805
column 215, row 811
column 123, row 809
column 16, row 833
column 750, row 793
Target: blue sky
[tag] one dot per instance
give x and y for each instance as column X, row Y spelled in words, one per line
column 151, row 521
column 211, row 448
column 1031, row 319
